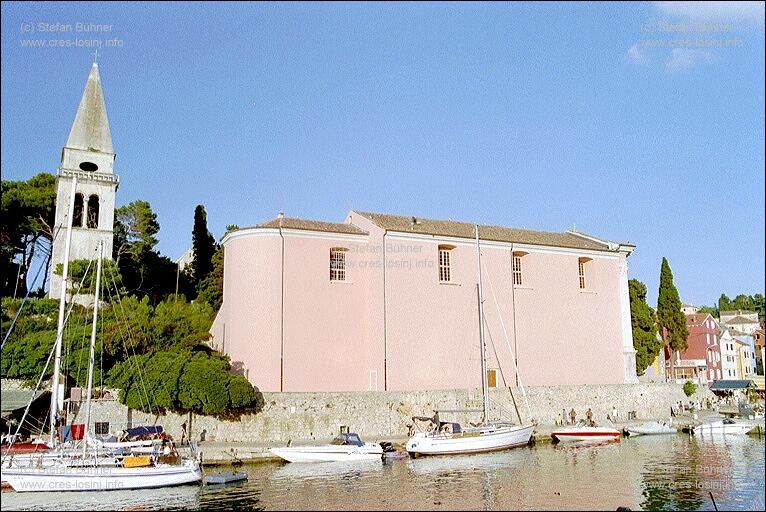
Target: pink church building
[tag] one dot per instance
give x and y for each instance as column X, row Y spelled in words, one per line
column 386, row 302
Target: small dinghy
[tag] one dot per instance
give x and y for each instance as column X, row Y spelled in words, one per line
column 651, row 428
column 224, row 478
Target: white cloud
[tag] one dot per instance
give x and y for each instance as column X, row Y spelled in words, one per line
column 684, row 58
column 716, row 12
column 635, row 54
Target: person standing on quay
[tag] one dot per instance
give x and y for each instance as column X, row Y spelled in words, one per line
column 572, row 416
column 589, row 417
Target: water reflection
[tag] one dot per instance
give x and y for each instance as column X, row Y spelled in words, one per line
column 346, row 470
column 171, row 498
column 647, row 472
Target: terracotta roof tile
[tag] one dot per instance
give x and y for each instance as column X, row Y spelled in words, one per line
column 312, row 225
column 451, row 228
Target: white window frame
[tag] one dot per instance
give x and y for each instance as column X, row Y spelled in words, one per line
column 517, row 268
column 445, row 263
column 338, row 263
column 581, row 272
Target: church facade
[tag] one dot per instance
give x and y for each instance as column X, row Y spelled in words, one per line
column 386, row 302
column 87, row 159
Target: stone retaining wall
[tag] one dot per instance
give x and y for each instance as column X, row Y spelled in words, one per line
column 380, row 415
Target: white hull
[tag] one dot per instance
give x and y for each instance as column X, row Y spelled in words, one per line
column 650, row 429
column 71, row 458
column 480, row 440
column 329, row 453
column 719, row 427
column 586, row 434
column 64, row 478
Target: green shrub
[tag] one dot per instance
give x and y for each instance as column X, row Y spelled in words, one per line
column 690, row 388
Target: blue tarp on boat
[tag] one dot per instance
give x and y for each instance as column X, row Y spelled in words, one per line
column 144, row 431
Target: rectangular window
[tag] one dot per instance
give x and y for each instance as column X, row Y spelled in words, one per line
column 517, row 270
column 581, row 269
column 445, row 273
column 337, row 264
column 102, row 428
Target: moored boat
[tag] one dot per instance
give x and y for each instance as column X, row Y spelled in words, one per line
column 584, row 432
column 224, row 478
column 651, row 428
column 345, row 447
column 482, row 439
column 726, row 426
column 100, row 478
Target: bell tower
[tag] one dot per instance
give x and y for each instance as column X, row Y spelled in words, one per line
column 88, row 155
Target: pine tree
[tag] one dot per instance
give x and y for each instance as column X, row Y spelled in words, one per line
column 670, row 319
column 644, row 327
column 203, row 244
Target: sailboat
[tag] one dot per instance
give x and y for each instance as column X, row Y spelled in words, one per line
column 486, row 437
column 91, row 470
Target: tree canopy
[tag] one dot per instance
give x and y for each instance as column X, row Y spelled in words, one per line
column 211, row 288
column 204, row 247
column 184, row 380
column 670, row 319
column 26, row 229
column 644, row 327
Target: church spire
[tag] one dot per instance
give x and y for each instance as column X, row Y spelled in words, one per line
column 90, row 130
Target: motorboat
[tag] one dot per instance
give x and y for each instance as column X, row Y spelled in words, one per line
column 585, row 432
column 725, row 426
column 651, row 428
column 347, row 446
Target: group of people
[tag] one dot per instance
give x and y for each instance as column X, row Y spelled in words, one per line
column 588, row 417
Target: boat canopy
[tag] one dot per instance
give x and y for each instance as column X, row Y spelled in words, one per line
column 144, row 431
column 348, row 439
column 731, row 384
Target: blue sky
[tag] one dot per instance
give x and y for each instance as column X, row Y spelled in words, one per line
column 641, row 122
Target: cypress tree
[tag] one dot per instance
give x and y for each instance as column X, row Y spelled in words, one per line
column 203, row 245
column 670, row 319
column 644, row 327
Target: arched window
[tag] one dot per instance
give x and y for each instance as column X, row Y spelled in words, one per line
column 445, row 263
column 93, row 211
column 517, row 274
column 78, row 205
column 338, row 264
column 581, row 263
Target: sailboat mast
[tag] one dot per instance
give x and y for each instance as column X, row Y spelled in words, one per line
column 57, row 403
column 91, row 355
column 484, row 387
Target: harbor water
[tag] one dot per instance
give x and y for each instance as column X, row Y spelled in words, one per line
column 670, row 472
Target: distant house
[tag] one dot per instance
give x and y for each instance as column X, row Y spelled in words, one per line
column 744, row 321
column 185, row 259
column 759, row 350
column 729, row 354
column 746, row 363
column 688, row 309
column 701, row 361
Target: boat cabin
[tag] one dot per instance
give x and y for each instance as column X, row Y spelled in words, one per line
column 348, row 438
